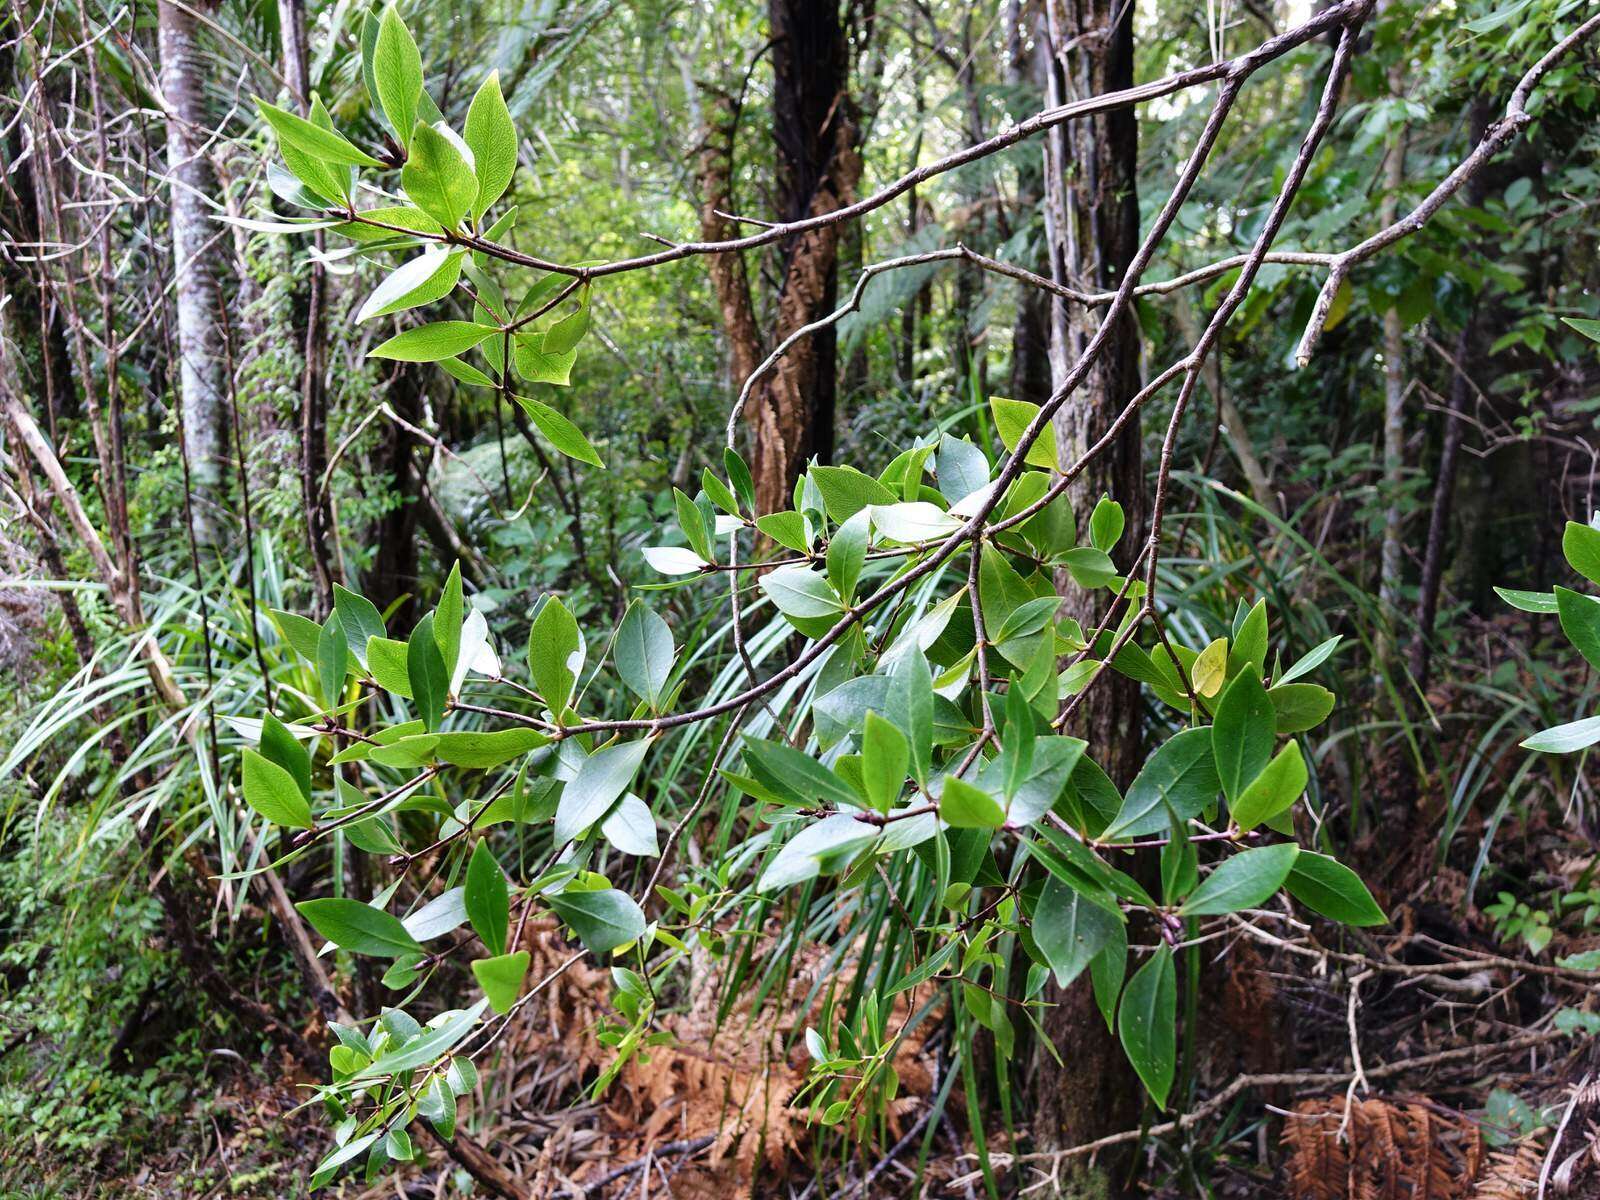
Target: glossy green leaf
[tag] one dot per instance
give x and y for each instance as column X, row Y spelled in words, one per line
column 602, row 920
column 1180, row 775
column 431, row 275
column 963, row 806
column 600, row 781
column 430, row 343
column 333, row 656
column 1565, row 739
column 397, row 73
column 1327, row 886
column 560, row 432
column 273, row 792
column 425, row 668
column 644, row 653
column 501, row 978
column 386, row 660
column 283, row 748
column 1011, row 420
column 487, row 899
column 438, row 175
column 360, row 619
column 493, row 139
column 1070, row 929
column 1244, row 880
column 1580, row 621
column 448, row 616
column 323, row 144
column 357, row 927
column 1147, row 1024
column 555, row 654
column 1243, row 733
column 885, row 761
column 1274, row 790
column 1299, row 706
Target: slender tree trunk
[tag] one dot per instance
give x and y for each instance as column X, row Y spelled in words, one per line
column 311, row 306
column 1092, row 231
column 1390, row 559
column 202, row 398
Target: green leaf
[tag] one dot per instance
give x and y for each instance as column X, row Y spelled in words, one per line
column 430, row 343
column 1533, row 602
column 560, row 432
column 425, row 668
column 846, row 491
column 358, row 927
column 563, row 337
column 487, row 900
column 631, row 829
column 437, row 176
column 1274, row 790
column 1329, row 887
column 1011, row 420
column 1106, row 523
column 825, row 844
column 397, row 73
column 493, row 140
column 555, row 654
column 1070, row 929
column 501, row 979
column 1580, row 621
column 1181, row 774
column 1299, row 706
column 360, row 619
column 333, row 656
column 1147, row 1024
column 1243, row 881
column 789, row 772
column 644, row 653
column 536, row 366
column 885, row 760
column 1319, row 655
column 1589, row 329
column 447, row 618
column 847, row 553
column 451, row 1028
column 1564, row 739
column 602, row 920
column 431, row 275
column 798, row 592
column 324, row 145
column 273, row 792
column 481, row 751
column 282, row 747
column 964, row 806
column 1250, row 642
column 787, row 528
column 466, row 373
column 386, row 660
column 300, row 632
column 1242, row 737
column 600, row 780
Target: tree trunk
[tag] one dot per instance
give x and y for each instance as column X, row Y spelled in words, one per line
column 393, row 572
column 1085, row 48
column 1390, row 562
column 814, row 133
column 310, row 306
column 202, row 398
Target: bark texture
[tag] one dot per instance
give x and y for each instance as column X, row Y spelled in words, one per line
column 197, row 298
column 1084, row 48
column 817, row 167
